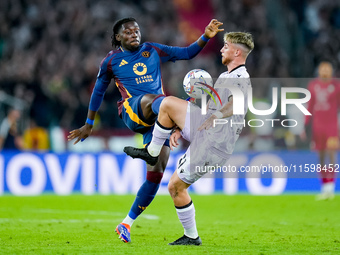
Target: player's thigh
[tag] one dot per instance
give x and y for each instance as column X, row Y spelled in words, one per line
column 176, row 109
column 145, row 105
column 133, row 117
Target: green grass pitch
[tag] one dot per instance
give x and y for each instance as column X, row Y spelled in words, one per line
column 240, row 224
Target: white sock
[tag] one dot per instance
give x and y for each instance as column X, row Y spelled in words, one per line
column 191, row 232
column 328, row 187
column 186, row 215
column 128, row 220
column 159, row 136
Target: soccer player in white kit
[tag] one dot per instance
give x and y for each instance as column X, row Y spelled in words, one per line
column 210, row 144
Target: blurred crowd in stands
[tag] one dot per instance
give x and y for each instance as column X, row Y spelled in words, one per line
column 50, row 50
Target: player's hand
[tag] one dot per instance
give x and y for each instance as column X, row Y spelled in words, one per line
column 80, row 134
column 208, row 123
column 174, row 139
column 213, row 28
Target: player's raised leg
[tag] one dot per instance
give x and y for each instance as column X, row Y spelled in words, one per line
column 185, row 211
column 172, row 112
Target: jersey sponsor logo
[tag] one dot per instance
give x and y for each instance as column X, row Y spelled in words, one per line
column 123, row 63
column 146, row 54
column 140, row 68
column 145, row 78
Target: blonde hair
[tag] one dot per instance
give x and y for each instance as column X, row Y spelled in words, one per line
column 246, row 39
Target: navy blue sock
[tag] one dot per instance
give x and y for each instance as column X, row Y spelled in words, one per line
column 145, row 194
column 156, row 103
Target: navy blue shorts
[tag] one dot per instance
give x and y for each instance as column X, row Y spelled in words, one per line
column 133, row 118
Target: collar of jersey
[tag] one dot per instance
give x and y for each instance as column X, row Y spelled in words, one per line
column 237, row 68
column 129, row 52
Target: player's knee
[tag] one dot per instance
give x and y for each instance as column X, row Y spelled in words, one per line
column 166, row 103
column 175, row 188
column 172, row 189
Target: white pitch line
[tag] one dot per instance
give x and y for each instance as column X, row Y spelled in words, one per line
column 5, row 220
column 87, row 212
column 150, row 216
column 90, row 212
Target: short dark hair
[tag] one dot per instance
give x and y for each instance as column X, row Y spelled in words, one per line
column 115, row 30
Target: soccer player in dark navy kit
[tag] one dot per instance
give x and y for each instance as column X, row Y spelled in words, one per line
column 136, row 71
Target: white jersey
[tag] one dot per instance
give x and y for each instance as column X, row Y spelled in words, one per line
column 223, row 137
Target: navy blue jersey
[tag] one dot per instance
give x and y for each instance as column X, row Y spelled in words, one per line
column 138, row 72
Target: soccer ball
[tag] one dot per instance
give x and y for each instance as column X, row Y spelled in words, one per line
column 197, row 82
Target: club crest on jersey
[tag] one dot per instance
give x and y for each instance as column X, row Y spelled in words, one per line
column 146, row 54
column 140, row 68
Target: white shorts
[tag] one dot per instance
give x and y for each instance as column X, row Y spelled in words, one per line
column 190, row 169
column 200, row 156
column 193, row 120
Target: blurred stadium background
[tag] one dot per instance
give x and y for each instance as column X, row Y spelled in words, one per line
column 49, row 56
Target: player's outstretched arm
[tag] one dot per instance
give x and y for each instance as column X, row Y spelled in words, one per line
column 85, row 131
